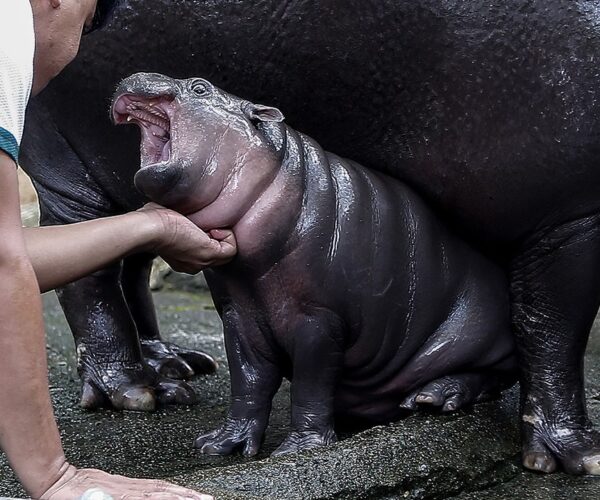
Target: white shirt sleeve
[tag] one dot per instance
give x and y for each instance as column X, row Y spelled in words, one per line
column 17, row 45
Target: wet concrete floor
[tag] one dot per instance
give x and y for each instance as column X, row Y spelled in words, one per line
column 469, row 456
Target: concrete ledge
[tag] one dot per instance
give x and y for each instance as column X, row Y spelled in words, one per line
column 420, row 457
column 471, row 455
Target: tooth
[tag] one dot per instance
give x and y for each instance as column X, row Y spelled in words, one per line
column 129, row 118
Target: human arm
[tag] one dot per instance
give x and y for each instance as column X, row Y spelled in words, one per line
column 28, row 431
column 61, row 254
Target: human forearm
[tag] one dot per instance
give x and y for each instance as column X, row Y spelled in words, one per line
column 61, row 254
column 28, row 432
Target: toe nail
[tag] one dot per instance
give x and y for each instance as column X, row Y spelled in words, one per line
column 90, row 398
column 424, row 398
column 591, row 465
column 139, row 399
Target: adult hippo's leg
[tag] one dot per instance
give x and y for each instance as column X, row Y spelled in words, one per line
column 555, row 297
column 166, row 358
column 110, row 361
column 109, row 358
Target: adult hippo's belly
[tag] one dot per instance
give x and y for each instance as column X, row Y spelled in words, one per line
column 489, row 109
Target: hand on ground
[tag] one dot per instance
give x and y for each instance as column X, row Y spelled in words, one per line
column 75, row 482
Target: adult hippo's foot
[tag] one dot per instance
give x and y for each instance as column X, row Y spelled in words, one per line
column 547, row 445
column 176, row 362
column 110, row 361
column 144, row 385
column 555, row 294
column 166, row 358
column 125, row 386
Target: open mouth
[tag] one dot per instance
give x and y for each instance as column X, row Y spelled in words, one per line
column 151, row 114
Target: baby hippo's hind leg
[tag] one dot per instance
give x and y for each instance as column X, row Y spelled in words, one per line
column 453, row 392
column 471, row 357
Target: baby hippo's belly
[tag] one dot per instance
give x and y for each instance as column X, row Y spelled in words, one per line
column 468, row 356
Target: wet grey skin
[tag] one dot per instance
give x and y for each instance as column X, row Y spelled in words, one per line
column 345, row 282
column 489, row 110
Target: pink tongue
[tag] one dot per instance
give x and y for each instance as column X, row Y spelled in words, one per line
column 121, row 106
column 156, row 145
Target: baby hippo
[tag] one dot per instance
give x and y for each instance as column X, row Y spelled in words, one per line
column 345, row 281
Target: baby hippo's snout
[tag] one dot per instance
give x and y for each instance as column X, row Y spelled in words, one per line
column 194, row 137
column 149, row 101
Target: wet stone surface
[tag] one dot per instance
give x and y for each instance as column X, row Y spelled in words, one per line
column 470, row 455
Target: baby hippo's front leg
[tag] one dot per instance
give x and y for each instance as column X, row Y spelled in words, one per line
column 317, row 360
column 254, row 382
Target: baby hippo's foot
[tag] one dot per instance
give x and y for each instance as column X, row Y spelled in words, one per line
column 298, row 441
column 176, row 362
column 129, row 386
column 453, row 392
column 236, row 433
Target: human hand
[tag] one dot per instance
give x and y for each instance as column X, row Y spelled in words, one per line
column 184, row 246
column 75, row 482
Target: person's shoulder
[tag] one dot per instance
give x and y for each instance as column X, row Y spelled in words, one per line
column 17, row 37
column 17, row 45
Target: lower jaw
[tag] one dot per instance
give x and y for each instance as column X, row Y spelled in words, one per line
column 159, row 181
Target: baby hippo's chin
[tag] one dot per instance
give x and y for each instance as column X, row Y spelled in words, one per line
column 208, row 219
column 160, row 182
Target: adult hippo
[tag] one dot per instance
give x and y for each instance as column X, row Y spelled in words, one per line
column 363, row 331
column 489, row 109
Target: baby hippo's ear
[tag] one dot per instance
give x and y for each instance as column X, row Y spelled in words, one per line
column 261, row 113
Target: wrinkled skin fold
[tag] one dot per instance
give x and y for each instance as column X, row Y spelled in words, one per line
column 489, row 110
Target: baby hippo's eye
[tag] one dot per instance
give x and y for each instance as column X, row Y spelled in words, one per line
column 200, row 88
